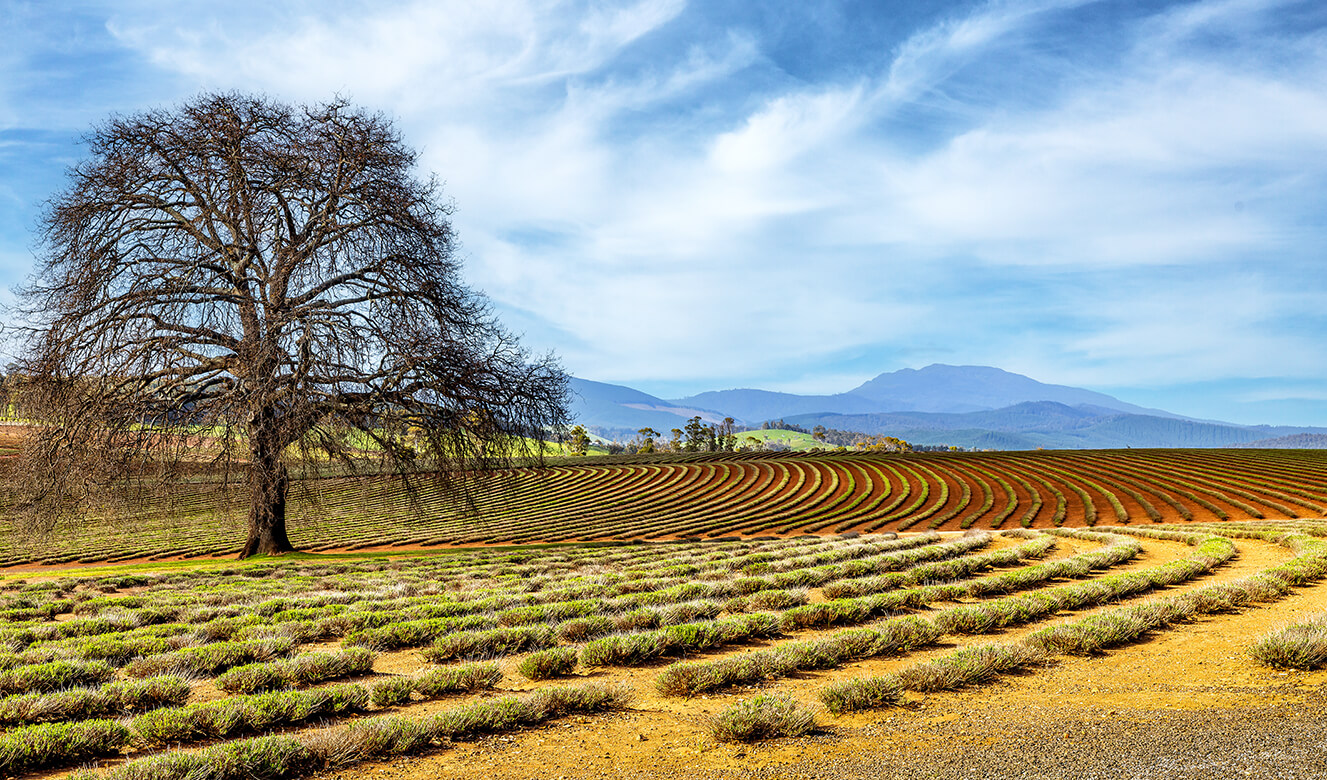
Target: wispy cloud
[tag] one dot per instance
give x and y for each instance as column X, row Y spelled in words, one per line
column 674, row 195
column 410, row 55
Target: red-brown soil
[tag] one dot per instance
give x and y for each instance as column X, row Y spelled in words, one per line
column 723, row 494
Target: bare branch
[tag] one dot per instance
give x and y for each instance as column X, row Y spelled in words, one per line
column 242, row 272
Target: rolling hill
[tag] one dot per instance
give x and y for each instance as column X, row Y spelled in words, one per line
column 618, row 412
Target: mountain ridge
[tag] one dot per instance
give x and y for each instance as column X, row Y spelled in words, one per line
column 938, row 404
column 935, row 388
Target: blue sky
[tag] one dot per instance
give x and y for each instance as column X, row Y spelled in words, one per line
column 1126, row 196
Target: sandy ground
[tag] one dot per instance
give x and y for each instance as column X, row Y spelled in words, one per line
column 1186, row 703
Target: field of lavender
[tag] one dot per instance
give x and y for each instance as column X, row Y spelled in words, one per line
column 281, row 668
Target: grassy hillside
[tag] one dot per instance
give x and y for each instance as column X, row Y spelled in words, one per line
column 793, row 440
column 555, row 450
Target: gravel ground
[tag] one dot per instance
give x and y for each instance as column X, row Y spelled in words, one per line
column 1185, row 703
column 1281, row 741
column 969, row 739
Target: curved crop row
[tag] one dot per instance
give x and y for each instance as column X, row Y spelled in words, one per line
column 717, row 495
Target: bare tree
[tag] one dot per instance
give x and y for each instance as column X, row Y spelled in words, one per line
column 242, row 282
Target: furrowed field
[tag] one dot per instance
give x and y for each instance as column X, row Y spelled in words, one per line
column 710, row 496
column 1049, row 614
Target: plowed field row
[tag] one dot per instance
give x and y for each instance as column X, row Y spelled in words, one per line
column 721, row 495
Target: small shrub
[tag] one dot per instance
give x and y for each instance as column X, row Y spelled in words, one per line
column 241, row 714
column 865, row 693
column 1300, row 646
column 252, row 678
column 776, row 599
column 623, row 649
column 69, row 704
column 521, row 616
column 118, row 651
column 169, row 725
column 638, row 619
column 970, row 666
column 581, row 629
column 142, row 695
column 414, row 633
column 545, row 664
column 347, row 698
column 175, row 765
column 485, row 717
column 762, row 717
column 296, row 631
column 826, row 613
column 900, row 634
column 815, row 654
column 279, row 708
column 491, row 643
column 906, row 633
column 223, row 628
column 391, row 692
column 592, row 697
column 262, row 758
column 686, row 613
column 52, row 676
column 507, row 713
column 378, row 737
column 690, row 636
column 457, row 679
column 210, row 659
column 60, row 744
column 967, row 619
column 308, row 668
column 688, row 679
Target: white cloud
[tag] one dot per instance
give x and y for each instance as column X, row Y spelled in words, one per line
column 413, row 55
column 785, row 128
column 930, row 55
column 705, row 216
column 1144, row 167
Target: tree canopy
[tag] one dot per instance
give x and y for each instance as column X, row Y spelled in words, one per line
column 242, row 281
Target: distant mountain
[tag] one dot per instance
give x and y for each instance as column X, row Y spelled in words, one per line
column 756, row 406
column 616, row 410
column 941, row 388
column 1297, row 441
column 1044, row 424
column 936, row 388
column 969, row 406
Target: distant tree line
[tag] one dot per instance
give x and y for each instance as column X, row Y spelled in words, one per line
column 695, row 436
column 698, row 436
column 864, row 441
column 578, row 441
column 837, row 437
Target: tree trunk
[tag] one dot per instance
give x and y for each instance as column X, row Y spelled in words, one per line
column 269, row 483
